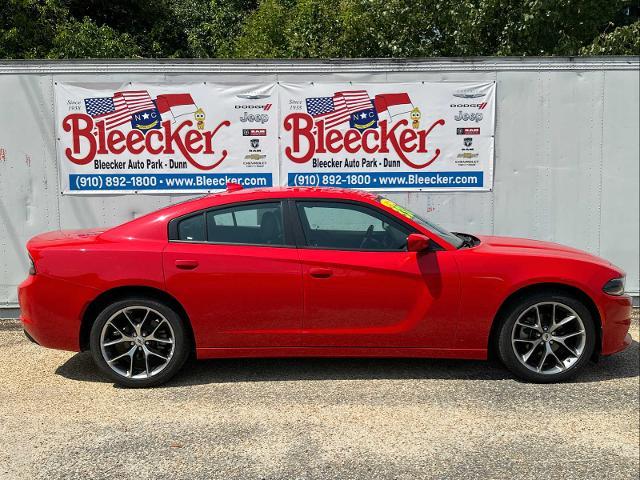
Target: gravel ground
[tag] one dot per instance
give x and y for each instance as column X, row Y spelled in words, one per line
column 309, row 419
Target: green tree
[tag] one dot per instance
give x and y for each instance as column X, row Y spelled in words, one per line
column 82, row 39
column 27, row 27
column 621, row 41
column 397, row 28
column 315, row 28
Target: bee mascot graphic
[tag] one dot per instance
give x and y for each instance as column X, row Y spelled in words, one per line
column 415, row 118
column 200, row 117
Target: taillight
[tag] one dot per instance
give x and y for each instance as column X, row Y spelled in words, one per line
column 32, row 267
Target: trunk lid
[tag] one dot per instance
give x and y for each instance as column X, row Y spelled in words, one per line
column 63, row 237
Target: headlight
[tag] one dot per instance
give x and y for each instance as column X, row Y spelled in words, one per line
column 614, row 286
column 32, row 267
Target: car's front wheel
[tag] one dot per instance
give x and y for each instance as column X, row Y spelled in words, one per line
column 139, row 342
column 547, row 337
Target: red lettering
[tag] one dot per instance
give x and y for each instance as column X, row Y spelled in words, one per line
column 155, row 150
column 192, row 141
column 102, row 138
column 80, row 126
column 300, row 124
column 334, row 141
column 406, row 139
column 135, row 138
column 88, row 138
column 365, row 144
column 352, row 141
column 114, row 138
column 307, row 134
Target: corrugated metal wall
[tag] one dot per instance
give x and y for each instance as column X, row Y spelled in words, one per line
column 566, row 164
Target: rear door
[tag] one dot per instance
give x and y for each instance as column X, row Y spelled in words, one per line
column 236, row 271
column 362, row 288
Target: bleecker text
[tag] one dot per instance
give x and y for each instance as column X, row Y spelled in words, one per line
column 309, row 138
column 90, row 139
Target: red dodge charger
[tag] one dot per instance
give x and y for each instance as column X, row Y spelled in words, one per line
column 316, row 272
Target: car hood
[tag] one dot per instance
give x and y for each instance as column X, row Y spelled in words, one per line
column 523, row 246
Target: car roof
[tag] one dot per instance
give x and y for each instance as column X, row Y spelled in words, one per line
column 328, row 192
column 250, row 194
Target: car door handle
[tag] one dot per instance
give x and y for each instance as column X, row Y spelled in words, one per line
column 320, row 272
column 186, row 264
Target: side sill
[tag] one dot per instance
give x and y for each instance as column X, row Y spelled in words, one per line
column 341, row 352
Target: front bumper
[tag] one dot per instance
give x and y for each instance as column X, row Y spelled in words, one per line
column 616, row 319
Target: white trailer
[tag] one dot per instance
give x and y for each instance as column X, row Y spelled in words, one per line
column 565, row 167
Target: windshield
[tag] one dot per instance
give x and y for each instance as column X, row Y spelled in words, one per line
column 441, row 232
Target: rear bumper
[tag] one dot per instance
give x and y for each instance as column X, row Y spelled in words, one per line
column 616, row 320
column 51, row 311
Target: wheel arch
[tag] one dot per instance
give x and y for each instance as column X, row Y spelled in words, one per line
column 119, row 293
column 550, row 287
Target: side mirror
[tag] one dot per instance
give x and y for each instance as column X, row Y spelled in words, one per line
column 417, row 242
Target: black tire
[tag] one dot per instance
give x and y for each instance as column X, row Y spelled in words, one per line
column 181, row 342
column 511, row 360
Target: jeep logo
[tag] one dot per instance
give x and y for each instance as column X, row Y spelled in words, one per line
column 468, row 117
column 254, row 117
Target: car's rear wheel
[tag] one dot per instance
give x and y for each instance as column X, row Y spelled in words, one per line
column 547, row 338
column 139, row 342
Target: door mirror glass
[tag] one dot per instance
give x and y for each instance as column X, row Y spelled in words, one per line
column 417, row 242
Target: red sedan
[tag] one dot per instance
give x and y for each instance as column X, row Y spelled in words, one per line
column 316, row 272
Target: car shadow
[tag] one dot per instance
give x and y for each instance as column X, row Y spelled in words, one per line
column 81, row 367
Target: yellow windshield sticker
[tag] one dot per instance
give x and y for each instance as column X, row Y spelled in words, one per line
column 394, row 206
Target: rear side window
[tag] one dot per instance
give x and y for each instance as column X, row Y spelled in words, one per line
column 256, row 224
column 245, row 224
column 192, row 229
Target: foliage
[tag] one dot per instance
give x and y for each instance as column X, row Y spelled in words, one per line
column 315, row 28
column 82, row 39
column 621, row 41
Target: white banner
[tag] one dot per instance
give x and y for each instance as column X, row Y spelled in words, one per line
column 395, row 136
column 137, row 138
column 197, row 137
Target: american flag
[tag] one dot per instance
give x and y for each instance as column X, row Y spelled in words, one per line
column 117, row 110
column 337, row 109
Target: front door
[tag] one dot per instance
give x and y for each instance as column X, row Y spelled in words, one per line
column 362, row 288
column 238, row 276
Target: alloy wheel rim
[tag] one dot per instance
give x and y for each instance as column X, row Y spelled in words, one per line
column 137, row 342
column 548, row 338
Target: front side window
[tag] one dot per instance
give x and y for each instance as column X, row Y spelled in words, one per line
column 347, row 226
column 256, row 224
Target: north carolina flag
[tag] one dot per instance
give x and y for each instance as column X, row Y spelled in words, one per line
column 176, row 103
column 393, row 103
